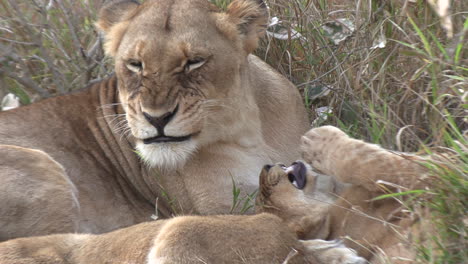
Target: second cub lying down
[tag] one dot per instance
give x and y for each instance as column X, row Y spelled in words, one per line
column 260, row 239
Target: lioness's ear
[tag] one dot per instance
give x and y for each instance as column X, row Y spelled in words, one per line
column 251, row 19
column 114, row 11
column 111, row 17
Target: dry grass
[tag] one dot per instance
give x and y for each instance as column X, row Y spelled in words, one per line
column 49, row 47
column 376, row 92
column 400, row 79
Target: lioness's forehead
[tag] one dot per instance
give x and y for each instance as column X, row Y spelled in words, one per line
column 170, row 27
column 173, row 16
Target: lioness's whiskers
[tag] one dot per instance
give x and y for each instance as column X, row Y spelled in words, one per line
column 126, row 132
column 120, row 121
column 121, row 130
column 109, row 105
column 115, row 117
column 117, row 121
column 120, row 127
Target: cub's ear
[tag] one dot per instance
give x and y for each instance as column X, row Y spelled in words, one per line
column 251, row 19
column 112, row 13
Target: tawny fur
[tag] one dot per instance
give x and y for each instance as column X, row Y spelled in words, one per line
column 241, row 112
column 225, row 239
column 327, row 208
column 341, row 206
column 31, row 200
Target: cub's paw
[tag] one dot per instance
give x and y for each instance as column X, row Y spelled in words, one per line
column 318, row 142
column 331, row 252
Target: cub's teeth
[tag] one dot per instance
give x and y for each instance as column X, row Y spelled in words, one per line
column 295, row 184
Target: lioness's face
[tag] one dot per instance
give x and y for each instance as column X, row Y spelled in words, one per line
column 178, row 64
column 299, row 196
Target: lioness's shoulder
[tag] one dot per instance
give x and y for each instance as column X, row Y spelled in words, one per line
column 262, row 71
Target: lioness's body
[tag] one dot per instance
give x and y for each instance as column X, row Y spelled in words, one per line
column 115, row 189
column 200, row 111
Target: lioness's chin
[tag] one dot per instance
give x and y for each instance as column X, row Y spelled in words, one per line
column 170, row 155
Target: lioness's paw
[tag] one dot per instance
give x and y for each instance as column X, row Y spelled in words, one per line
column 331, row 252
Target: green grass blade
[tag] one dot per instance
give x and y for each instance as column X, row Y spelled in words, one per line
column 440, row 46
column 423, row 38
column 461, row 43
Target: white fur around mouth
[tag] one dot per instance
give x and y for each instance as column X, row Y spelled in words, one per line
column 168, row 155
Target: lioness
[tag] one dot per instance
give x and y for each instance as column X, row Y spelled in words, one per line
column 187, row 112
column 341, row 207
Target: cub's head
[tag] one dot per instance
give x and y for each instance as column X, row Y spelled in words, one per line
column 179, row 65
column 298, row 195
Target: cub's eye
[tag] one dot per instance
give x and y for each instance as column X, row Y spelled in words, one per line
column 193, row 64
column 134, row 65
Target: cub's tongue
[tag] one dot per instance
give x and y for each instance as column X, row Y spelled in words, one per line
column 297, row 174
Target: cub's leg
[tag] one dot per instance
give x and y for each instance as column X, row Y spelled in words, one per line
column 331, row 151
column 330, row 252
column 36, row 196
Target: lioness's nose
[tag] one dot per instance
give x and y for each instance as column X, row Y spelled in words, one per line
column 159, row 122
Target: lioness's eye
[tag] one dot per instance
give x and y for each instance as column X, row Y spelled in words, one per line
column 134, row 65
column 193, row 64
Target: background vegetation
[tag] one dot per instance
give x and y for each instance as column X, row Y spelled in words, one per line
column 392, row 72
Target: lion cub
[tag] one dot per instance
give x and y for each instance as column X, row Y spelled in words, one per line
column 261, row 239
column 325, row 207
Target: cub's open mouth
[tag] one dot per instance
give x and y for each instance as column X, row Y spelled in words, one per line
column 297, row 174
column 166, row 139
